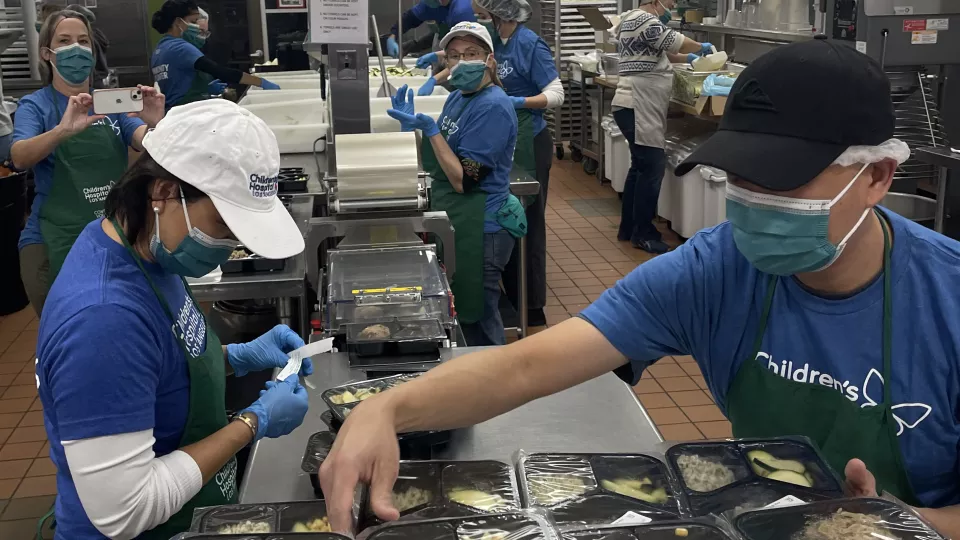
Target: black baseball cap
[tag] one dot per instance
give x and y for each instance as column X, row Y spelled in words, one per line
column 794, row 110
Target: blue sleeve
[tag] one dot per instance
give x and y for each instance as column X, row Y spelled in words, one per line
column 412, row 18
column 128, row 126
column 544, row 69
column 482, row 136
column 29, row 120
column 100, row 391
column 659, row 309
column 182, row 53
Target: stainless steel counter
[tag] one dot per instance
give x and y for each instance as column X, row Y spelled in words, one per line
column 772, row 35
column 602, row 415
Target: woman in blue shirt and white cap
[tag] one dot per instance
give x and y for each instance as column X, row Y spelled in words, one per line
column 131, row 377
column 75, row 155
column 469, row 156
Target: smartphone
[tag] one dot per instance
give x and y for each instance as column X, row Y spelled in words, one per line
column 117, row 100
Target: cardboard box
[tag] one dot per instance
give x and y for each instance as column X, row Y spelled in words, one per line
column 604, row 38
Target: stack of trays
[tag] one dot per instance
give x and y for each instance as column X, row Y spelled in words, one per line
column 584, row 489
column 292, row 180
column 718, row 477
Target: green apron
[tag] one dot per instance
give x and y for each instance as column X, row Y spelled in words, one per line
column 206, row 415
column 760, row 403
column 85, row 167
column 523, row 152
column 466, row 213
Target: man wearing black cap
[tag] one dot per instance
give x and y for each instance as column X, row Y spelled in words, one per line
column 812, row 312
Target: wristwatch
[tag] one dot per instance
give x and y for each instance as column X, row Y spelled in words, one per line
column 251, row 420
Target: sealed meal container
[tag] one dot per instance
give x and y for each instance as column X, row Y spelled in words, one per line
column 497, row 527
column 597, row 489
column 752, row 473
column 266, row 518
column 846, row 519
column 342, row 399
column 242, row 260
column 292, row 180
column 318, row 447
column 394, row 337
column 701, row 529
column 311, row 536
column 446, row 489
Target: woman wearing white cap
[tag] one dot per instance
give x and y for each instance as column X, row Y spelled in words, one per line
column 469, row 156
column 130, row 376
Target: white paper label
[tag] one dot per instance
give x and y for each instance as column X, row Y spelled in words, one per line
column 789, row 500
column 339, row 21
column 862, row 47
column 924, row 37
column 632, row 518
column 938, row 24
column 903, row 10
column 297, row 356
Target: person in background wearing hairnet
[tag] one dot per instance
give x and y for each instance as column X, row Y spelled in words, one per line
column 813, row 311
column 647, row 48
column 441, row 15
column 183, row 72
column 526, row 67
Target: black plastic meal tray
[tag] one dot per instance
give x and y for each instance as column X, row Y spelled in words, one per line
column 280, row 517
column 659, row 531
column 271, row 536
column 251, row 264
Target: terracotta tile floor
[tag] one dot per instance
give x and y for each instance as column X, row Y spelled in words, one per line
column 584, row 258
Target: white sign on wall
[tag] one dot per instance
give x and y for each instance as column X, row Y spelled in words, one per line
column 339, row 21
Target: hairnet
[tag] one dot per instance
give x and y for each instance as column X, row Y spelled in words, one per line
column 508, row 10
column 894, row 149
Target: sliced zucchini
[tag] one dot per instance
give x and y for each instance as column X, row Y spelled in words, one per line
column 790, row 477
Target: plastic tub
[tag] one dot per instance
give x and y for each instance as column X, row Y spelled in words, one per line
column 667, row 188
column 621, row 161
column 608, row 156
column 714, row 196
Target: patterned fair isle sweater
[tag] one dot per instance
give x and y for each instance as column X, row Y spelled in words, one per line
column 643, row 43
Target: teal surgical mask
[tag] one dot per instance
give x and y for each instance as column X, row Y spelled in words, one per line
column 191, row 34
column 74, row 63
column 38, row 26
column 491, row 27
column 196, row 255
column 666, row 17
column 467, row 75
column 784, row 236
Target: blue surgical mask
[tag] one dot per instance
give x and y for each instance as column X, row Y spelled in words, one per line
column 468, row 74
column 74, row 63
column 784, row 236
column 666, row 17
column 196, row 255
column 191, row 34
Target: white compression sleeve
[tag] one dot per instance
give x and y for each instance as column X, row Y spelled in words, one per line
column 124, row 489
column 554, row 93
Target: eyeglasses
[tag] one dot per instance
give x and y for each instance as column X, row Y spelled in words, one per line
column 468, row 55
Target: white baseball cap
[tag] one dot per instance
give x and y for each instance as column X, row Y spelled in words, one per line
column 232, row 156
column 467, row 28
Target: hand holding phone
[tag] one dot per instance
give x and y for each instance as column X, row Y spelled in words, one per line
column 118, row 100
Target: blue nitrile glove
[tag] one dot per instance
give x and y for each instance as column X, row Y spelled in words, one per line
column 280, row 409
column 706, row 48
column 519, row 102
column 267, row 352
column 427, row 60
column 691, row 57
column 267, row 85
column 216, row 87
column 427, row 87
column 392, row 48
column 403, row 100
column 409, row 122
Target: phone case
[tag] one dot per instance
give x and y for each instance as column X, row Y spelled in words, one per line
column 117, row 100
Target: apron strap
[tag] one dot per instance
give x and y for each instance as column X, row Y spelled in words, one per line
column 887, row 315
column 764, row 315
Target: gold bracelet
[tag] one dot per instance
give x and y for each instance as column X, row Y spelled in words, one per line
column 249, row 424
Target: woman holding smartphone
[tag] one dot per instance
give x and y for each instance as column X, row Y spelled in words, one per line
column 75, row 154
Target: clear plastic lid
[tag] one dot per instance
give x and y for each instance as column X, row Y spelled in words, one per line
column 385, row 276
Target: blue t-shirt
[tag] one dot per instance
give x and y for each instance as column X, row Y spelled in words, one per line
column 483, row 127
column 705, row 299
column 525, row 66
column 456, row 11
column 36, row 115
column 108, row 360
column 172, row 67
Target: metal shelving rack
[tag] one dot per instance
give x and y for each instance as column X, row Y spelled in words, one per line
column 566, row 32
